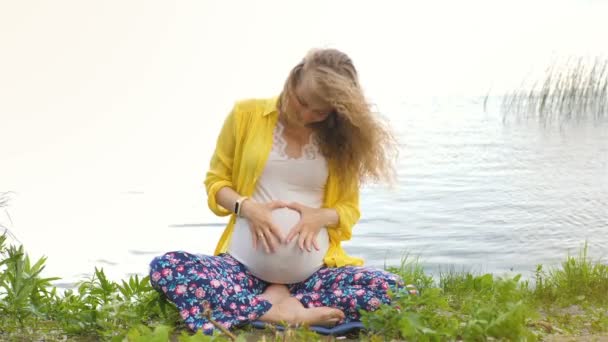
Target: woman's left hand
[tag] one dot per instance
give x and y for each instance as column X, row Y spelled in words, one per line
column 307, row 229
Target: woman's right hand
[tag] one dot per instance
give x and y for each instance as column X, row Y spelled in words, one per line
column 262, row 228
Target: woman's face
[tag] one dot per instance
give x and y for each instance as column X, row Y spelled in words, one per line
column 308, row 108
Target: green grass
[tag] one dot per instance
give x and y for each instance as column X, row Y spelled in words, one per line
column 577, row 281
column 571, row 300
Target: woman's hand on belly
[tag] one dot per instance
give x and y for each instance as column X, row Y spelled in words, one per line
column 310, row 224
column 261, row 225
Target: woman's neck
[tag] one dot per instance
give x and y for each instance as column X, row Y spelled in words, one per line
column 294, row 128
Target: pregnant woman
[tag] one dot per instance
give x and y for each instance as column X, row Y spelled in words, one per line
column 288, row 170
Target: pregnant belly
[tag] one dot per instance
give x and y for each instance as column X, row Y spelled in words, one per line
column 288, row 264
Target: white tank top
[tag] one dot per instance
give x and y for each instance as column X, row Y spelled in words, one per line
column 290, row 180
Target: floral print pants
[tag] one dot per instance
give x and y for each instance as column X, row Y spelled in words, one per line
column 196, row 282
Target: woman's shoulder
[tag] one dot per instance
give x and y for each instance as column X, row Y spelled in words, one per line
column 255, row 107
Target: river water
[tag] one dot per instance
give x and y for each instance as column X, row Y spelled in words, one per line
column 474, row 192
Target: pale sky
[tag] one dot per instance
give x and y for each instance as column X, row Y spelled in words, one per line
column 115, row 95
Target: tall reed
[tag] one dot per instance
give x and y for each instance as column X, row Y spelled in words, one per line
column 576, row 89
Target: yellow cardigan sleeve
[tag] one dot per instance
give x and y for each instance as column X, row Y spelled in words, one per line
column 348, row 211
column 219, row 174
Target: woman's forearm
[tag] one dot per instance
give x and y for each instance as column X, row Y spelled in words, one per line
column 226, row 197
column 330, row 216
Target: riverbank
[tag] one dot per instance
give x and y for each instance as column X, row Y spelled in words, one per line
column 564, row 303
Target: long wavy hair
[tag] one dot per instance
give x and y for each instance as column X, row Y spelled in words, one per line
column 353, row 137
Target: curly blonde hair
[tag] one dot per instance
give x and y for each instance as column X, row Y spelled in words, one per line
column 353, row 137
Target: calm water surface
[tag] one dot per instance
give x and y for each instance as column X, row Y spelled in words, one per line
column 473, row 193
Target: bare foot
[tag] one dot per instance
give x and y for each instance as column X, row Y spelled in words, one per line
column 292, row 312
column 324, row 316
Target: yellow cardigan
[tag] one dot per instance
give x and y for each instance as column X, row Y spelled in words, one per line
column 240, row 155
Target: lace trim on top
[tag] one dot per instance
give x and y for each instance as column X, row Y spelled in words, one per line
column 309, row 151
